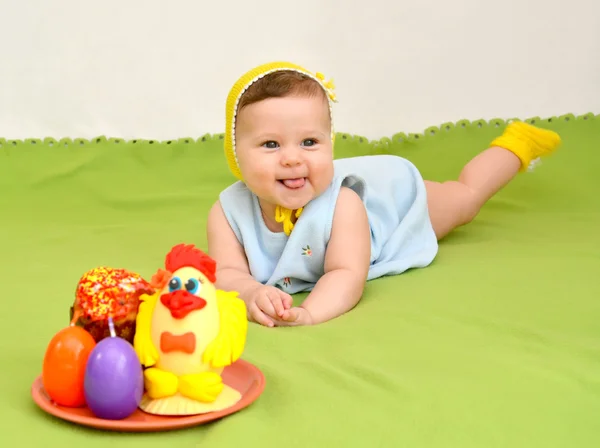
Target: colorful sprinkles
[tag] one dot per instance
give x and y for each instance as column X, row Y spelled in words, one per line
column 103, row 292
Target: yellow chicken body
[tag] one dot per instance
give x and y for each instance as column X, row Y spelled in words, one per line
column 203, row 325
column 186, row 334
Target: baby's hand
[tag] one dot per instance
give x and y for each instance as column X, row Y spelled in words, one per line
column 295, row 316
column 268, row 304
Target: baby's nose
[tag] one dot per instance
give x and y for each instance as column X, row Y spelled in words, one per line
column 291, row 157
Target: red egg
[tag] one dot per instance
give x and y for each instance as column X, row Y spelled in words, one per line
column 63, row 371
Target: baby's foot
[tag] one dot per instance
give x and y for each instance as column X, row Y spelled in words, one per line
column 527, row 142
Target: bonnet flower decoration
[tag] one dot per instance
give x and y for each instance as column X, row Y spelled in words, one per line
column 329, row 86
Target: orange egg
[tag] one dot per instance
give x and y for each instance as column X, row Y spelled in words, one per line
column 64, row 366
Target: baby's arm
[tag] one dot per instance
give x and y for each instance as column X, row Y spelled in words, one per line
column 346, row 263
column 233, row 273
column 265, row 304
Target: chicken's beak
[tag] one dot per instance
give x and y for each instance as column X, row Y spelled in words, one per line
column 181, row 303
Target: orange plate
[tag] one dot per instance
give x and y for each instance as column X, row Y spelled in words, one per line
column 243, row 376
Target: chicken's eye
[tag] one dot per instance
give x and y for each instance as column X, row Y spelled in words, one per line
column 192, row 285
column 174, row 284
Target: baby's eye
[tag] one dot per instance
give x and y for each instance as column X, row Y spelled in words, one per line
column 270, row 145
column 309, row 142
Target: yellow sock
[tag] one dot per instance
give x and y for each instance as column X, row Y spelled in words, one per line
column 204, row 387
column 160, row 384
column 527, row 142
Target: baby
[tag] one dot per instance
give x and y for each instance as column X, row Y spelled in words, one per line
column 298, row 220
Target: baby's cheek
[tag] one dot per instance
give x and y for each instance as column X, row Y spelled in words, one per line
column 323, row 177
column 259, row 178
column 250, row 168
column 262, row 173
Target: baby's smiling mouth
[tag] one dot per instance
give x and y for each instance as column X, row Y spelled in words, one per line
column 293, row 184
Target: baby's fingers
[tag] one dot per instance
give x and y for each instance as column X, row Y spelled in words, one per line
column 291, row 315
column 277, row 302
column 260, row 317
column 287, row 300
column 265, row 304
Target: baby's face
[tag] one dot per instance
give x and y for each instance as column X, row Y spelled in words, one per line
column 284, row 149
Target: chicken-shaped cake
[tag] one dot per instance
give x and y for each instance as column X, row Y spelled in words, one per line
column 186, row 334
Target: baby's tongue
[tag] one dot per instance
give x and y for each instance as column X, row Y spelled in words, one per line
column 293, row 183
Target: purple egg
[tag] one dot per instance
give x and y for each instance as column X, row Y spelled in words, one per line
column 114, row 380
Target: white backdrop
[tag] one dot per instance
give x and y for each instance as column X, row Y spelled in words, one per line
column 162, row 69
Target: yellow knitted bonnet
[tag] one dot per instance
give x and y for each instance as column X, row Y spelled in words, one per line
column 282, row 214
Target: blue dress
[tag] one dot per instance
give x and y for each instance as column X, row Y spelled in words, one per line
column 394, row 195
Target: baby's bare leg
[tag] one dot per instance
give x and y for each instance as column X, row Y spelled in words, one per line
column 455, row 203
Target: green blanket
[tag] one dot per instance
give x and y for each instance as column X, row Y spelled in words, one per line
column 496, row 344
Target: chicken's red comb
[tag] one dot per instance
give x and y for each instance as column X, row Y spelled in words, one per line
column 184, row 255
